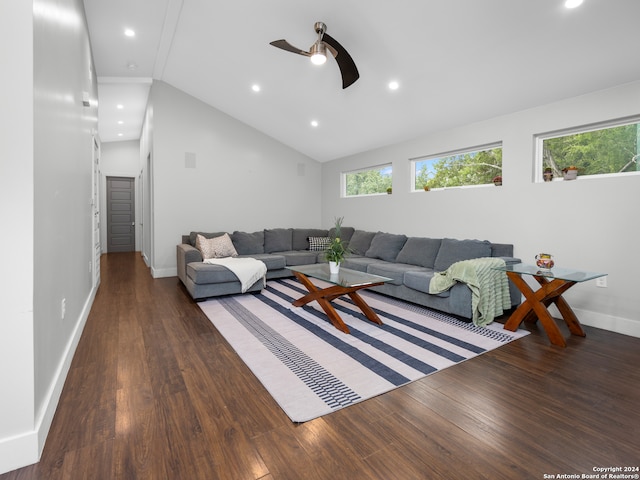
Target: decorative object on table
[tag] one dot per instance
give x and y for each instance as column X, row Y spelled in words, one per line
column 547, row 174
column 544, row 261
column 389, row 190
column 570, row 173
column 337, row 250
column 497, row 180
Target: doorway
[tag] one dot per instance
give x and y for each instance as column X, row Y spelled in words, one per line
column 121, row 229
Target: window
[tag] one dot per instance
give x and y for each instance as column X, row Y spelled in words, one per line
column 455, row 169
column 606, row 149
column 370, row 181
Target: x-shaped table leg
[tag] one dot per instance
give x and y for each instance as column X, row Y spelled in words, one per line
column 535, row 307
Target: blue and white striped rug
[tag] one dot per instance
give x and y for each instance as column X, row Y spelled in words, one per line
column 312, row 369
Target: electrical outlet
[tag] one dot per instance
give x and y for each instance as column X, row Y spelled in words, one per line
column 601, row 282
column 63, row 308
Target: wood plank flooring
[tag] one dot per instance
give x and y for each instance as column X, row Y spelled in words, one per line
column 155, row 392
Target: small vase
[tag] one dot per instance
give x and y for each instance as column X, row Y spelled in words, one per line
column 334, row 267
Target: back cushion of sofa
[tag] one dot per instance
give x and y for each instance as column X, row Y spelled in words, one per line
column 194, row 235
column 420, row 251
column 278, row 240
column 452, row 251
column 361, row 241
column 345, row 233
column 386, row 246
column 248, row 243
column 300, row 237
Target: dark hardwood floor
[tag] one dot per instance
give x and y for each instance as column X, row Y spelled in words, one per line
column 155, row 392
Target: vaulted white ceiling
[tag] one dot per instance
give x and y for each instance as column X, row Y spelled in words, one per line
column 456, row 62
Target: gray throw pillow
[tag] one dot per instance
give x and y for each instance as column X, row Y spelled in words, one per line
column 386, row 246
column 361, row 241
column 420, row 251
column 248, row 243
column 277, row 240
column 452, row 251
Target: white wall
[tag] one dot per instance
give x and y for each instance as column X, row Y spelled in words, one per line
column 587, row 224
column 242, row 180
column 119, row 159
column 48, row 189
column 18, row 445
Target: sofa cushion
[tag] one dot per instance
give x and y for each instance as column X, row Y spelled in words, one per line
column 194, row 235
column 345, row 233
column 361, row 241
column 420, row 251
column 395, row 271
column 271, row 260
column 360, row 263
column 248, row 243
column 419, row 280
column 217, row 247
column 452, row 251
column 299, row 257
column 278, row 240
column 300, row 237
column 205, row 273
column 386, row 246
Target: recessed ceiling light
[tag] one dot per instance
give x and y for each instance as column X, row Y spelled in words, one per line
column 120, row 122
column 393, row 85
column 119, row 106
column 314, row 123
column 120, row 134
column 132, row 66
column 255, row 87
column 572, row 3
column 129, row 33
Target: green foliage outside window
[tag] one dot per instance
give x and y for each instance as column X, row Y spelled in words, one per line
column 368, row 182
column 609, row 150
column 469, row 168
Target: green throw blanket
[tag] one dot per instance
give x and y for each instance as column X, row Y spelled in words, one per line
column 489, row 287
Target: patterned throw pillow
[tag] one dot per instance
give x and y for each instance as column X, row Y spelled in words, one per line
column 319, row 244
column 218, row 247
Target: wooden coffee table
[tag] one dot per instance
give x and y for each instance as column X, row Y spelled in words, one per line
column 346, row 282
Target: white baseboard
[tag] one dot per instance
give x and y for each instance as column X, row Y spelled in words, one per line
column 621, row 325
column 164, row 272
column 26, row 448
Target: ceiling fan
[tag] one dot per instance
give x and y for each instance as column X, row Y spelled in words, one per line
column 318, row 53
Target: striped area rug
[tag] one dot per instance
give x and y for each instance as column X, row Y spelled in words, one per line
column 312, row 369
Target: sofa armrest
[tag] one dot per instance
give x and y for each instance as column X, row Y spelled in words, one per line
column 186, row 254
column 511, row 260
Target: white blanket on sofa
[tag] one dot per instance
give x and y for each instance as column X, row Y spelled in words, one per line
column 248, row 270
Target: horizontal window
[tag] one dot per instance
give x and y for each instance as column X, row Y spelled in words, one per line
column 370, row 181
column 606, row 149
column 477, row 166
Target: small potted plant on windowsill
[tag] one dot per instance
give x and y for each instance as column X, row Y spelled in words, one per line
column 547, row 174
column 337, row 250
column 497, row 180
column 389, row 190
column 570, row 173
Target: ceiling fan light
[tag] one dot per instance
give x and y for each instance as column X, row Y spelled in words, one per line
column 318, row 53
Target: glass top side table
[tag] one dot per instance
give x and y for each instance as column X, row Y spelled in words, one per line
column 553, row 283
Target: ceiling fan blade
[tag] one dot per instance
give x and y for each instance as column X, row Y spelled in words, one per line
column 346, row 64
column 284, row 45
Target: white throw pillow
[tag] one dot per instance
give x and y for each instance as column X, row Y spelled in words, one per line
column 218, row 247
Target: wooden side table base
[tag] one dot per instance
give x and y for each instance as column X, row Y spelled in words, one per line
column 535, row 307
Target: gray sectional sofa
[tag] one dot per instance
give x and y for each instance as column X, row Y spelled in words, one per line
column 410, row 261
